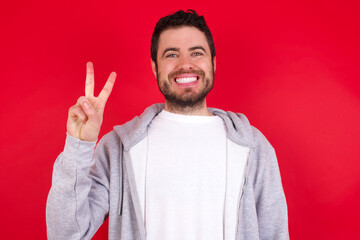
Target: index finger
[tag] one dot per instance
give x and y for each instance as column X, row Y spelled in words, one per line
column 89, row 82
column 105, row 92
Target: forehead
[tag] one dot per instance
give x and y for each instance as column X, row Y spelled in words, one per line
column 182, row 37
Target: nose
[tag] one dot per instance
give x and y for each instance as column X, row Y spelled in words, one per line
column 185, row 63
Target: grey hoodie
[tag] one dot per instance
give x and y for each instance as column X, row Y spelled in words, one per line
column 88, row 186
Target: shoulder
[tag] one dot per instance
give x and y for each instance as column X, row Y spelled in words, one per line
column 260, row 141
column 241, row 131
column 110, row 142
column 262, row 153
column 109, row 138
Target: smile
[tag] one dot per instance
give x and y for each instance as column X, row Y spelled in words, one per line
column 186, row 79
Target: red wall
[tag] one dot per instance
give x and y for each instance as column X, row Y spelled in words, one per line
column 292, row 68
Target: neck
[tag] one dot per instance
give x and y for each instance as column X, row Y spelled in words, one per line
column 197, row 110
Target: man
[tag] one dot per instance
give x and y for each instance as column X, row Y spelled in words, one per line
column 180, row 170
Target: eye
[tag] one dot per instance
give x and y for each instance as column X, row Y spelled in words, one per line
column 171, row 55
column 197, row 54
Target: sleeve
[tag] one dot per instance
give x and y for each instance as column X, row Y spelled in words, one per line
column 269, row 196
column 78, row 202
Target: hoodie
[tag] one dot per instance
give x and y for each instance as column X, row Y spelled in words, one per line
column 90, row 185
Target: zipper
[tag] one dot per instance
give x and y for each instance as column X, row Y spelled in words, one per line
column 121, row 181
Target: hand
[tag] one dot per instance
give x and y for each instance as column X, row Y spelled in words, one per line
column 86, row 116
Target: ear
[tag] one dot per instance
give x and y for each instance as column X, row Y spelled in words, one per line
column 214, row 63
column 153, row 67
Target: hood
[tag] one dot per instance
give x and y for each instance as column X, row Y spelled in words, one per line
column 238, row 127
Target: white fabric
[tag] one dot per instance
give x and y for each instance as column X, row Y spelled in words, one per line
column 236, row 162
column 185, row 178
column 138, row 155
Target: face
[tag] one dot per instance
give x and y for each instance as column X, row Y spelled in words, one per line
column 185, row 72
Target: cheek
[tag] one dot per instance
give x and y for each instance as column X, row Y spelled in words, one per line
column 205, row 65
column 165, row 69
column 207, row 68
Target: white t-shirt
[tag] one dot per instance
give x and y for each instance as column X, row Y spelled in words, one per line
column 185, row 178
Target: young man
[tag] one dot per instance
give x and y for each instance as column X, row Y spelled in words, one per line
column 180, row 170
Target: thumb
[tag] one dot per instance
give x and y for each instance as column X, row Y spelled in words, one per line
column 89, row 110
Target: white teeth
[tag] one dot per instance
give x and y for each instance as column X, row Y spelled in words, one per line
column 185, row 80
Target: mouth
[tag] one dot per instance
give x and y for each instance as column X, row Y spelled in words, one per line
column 187, row 79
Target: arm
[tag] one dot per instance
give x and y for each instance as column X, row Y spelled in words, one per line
column 269, row 195
column 70, row 213
column 78, row 202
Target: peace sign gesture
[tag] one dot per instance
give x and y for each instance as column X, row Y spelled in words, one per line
column 86, row 116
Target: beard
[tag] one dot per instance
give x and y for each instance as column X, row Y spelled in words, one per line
column 188, row 99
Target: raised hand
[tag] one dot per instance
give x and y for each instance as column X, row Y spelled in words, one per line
column 86, row 116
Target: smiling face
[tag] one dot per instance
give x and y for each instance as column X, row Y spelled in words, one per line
column 185, row 72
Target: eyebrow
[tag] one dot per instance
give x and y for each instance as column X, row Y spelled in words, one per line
column 170, row 49
column 177, row 49
column 197, row 47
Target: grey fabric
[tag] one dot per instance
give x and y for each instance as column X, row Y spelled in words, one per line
column 88, row 186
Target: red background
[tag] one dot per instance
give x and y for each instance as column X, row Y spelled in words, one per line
column 290, row 66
